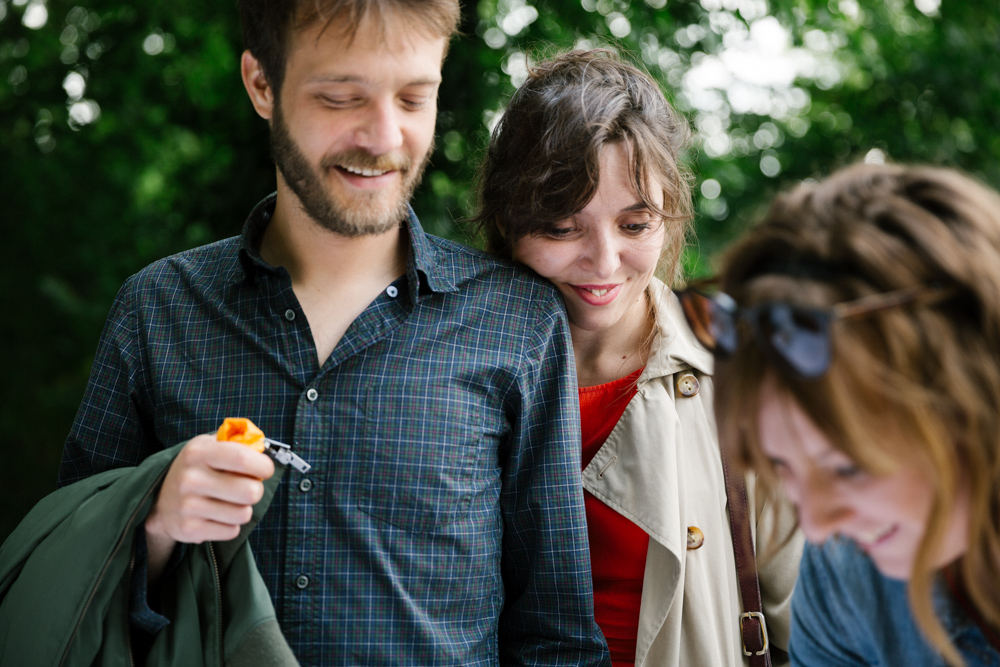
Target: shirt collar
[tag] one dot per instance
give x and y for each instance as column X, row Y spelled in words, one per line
column 422, row 269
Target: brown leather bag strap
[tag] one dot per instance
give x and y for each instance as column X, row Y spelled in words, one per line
column 753, row 628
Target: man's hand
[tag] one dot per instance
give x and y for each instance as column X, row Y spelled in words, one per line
column 208, row 493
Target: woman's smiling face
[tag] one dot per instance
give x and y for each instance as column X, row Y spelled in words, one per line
column 602, row 258
column 886, row 515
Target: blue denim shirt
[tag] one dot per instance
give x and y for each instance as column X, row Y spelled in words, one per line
column 845, row 612
column 442, row 521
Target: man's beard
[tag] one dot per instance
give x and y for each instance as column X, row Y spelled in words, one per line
column 368, row 213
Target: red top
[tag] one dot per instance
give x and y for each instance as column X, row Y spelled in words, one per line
column 617, row 546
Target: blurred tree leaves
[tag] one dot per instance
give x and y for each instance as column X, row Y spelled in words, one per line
column 126, row 136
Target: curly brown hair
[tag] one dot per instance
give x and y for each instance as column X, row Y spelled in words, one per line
column 931, row 372
column 543, row 161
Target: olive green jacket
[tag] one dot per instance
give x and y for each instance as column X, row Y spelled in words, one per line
column 65, row 576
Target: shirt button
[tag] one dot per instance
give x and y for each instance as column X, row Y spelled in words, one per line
column 305, row 486
column 312, row 394
column 289, row 314
column 696, row 538
column 392, row 291
column 688, row 385
column 301, row 581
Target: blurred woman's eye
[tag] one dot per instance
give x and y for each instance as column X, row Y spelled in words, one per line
column 849, row 471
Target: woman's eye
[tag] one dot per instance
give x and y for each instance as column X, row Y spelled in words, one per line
column 635, row 227
column 849, row 471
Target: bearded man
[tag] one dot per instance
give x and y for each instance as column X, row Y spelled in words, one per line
column 431, row 387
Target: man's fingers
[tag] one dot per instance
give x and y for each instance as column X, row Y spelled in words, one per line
column 209, row 491
column 229, row 457
column 198, row 482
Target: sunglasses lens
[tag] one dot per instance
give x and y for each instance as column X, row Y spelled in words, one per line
column 799, row 337
column 711, row 321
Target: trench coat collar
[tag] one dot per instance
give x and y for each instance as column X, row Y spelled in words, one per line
column 675, row 346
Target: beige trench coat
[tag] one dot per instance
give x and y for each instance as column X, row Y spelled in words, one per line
column 661, row 468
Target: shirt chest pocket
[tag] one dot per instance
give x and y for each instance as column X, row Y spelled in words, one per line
column 422, row 456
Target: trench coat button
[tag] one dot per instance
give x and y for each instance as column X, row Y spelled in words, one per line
column 696, row 538
column 688, row 385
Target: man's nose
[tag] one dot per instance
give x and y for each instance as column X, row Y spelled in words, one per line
column 822, row 513
column 381, row 129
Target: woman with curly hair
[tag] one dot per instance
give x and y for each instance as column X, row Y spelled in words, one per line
column 858, row 336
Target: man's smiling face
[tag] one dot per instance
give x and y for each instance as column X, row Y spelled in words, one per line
column 353, row 127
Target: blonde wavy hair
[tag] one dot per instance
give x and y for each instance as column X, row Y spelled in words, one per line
column 931, row 371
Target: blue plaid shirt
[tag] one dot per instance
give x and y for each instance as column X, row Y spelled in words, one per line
column 442, row 521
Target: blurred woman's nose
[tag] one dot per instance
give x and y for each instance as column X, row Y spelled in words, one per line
column 822, row 513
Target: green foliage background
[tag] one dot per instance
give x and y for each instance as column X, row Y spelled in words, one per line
column 125, row 135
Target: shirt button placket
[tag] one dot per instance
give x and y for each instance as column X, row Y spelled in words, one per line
column 304, row 591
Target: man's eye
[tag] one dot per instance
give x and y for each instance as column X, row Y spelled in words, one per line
column 337, row 102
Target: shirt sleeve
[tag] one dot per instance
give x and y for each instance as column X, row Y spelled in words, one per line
column 548, row 616
column 110, row 429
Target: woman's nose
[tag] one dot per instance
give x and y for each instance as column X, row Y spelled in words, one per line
column 822, row 513
column 601, row 255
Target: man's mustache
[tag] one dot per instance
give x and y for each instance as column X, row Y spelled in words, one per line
column 361, row 159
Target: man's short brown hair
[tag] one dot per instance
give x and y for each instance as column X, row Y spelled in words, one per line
column 267, row 24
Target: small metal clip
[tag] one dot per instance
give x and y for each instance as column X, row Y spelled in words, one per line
column 282, row 453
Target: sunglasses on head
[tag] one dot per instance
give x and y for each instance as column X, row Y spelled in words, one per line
column 795, row 338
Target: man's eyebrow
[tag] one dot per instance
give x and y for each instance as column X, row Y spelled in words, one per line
column 351, row 78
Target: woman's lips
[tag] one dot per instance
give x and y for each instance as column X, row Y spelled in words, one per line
column 597, row 295
column 878, row 539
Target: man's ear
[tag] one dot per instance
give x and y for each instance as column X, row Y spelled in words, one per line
column 260, row 91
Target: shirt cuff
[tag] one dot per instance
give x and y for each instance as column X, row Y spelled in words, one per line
column 141, row 614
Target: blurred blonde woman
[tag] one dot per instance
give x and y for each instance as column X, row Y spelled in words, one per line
column 859, row 369
column 583, row 184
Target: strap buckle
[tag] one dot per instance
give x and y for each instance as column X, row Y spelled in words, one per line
column 750, row 615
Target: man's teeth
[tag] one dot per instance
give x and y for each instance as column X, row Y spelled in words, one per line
column 364, row 172
column 598, row 292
